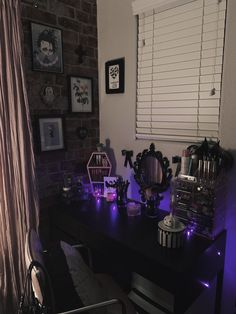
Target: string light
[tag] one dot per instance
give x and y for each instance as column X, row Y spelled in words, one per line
column 205, row 284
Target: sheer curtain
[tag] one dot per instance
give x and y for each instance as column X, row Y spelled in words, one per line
column 18, row 193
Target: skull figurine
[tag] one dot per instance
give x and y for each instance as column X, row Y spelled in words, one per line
column 169, row 221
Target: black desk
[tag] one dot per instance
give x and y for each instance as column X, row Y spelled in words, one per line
column 133, row 241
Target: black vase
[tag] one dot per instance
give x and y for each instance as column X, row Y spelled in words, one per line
column 121, row 198
column 151, row 208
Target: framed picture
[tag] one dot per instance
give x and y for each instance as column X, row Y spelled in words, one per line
column 114, row 72
column 109, row 189
column 48, row 95
column 81, row 94
column 46, row 48
column 51, row 133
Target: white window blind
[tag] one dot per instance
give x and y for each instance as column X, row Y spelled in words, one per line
column 180, row 55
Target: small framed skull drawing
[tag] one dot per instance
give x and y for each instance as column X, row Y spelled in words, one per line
column 48, row 95
column 114, row 72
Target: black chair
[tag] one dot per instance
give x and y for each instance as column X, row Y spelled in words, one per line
column 63, row 283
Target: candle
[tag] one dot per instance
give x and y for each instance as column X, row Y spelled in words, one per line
column 133, row 209
column 111, row 196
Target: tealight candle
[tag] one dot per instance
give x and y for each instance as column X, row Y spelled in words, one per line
column 133, row 209
column 111, row 196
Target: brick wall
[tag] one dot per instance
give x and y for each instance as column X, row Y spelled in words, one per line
column 77, row 20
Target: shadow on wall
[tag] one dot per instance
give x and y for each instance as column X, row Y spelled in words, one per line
column 111, row 155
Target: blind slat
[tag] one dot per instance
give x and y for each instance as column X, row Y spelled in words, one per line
column 169, row 118
column 175, row 111
column 177, row 66
column 180, row 10
column 175, row 104
column 176, row 74
column 175, row 125
column 178, row 18
column 176, row 81
column 178, row 42
column 177, row 50
column 175, row 96
column 177, row 89
column 178, row 27
column 190, row 31
column 174, row 137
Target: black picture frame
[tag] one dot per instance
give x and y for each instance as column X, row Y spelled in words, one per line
column 80, row 94
column 51, row 133
column 115, row 76
column 47, row 48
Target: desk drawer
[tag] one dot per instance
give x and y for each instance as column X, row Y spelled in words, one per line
column 150, row 297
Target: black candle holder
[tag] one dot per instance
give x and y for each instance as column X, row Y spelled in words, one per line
column 121, row 187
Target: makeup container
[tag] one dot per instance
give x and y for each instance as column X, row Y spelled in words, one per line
column 185, row 162
column 200, row 170
column 193, row 165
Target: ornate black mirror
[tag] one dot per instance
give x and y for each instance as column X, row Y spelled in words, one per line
column 153, row 175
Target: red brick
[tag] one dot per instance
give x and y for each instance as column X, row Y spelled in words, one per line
column 39, row 15
column 61, row 80
column 69, row 24
column 41, row 4
column 70, row 36
column 69, row 12
column 92, row 41
column 86, row 7
column 93, row 19
column 82, row 16
column 73, row 3
column 93, row 62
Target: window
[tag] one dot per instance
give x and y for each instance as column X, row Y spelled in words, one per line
column 180, row 56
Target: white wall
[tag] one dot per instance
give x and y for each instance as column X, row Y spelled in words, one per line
column 117, row 38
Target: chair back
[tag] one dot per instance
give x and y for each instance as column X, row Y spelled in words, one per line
column 34, row 252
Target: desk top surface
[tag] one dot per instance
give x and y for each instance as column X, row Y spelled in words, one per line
column 139, row 234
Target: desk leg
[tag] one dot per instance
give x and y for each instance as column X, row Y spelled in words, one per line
column 219, row 287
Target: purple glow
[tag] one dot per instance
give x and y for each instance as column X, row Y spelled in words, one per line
column 98, row 203
column 205, row 284
column 114, row 212
column 189, row 232
column 219, row 253
column 96, row 194
column 114, row 207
